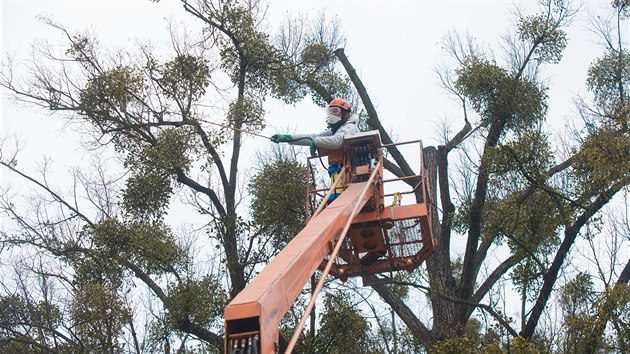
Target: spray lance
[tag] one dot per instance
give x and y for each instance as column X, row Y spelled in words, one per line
column 263, row 136
column 236, row 129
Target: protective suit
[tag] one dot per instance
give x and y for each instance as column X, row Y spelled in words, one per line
column 331, row 138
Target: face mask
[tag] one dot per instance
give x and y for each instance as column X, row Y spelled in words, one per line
column 332, row 119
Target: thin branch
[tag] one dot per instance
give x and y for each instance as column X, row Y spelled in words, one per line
column 487, row 308
column 404, row 312
column 570, row 234
column 182, row 178
column 50, row 191
column 496, row 274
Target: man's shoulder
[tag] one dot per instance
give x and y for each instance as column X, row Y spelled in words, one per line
column 352, row 121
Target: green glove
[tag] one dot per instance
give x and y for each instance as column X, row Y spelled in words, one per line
column 313, row 148
column 281, row 138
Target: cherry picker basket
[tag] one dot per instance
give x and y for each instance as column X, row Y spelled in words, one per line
column 382, row 238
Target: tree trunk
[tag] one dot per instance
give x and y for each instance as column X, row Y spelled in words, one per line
column 470, row 269
column 441, row 279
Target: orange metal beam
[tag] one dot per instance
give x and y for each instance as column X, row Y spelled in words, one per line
column 400, row 212
column 364, row 195
column 269, row 296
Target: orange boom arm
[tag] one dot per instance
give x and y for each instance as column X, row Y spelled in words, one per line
column 374, row 245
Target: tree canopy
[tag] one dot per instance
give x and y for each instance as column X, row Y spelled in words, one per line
column 101, row 267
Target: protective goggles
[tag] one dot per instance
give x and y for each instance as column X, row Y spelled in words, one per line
column 334, row 110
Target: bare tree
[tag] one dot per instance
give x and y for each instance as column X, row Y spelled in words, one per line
column 519, row 194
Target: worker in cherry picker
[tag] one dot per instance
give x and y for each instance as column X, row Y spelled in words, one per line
column 341, row 122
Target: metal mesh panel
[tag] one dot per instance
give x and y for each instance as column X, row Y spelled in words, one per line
column 405, row 238
column 345, row 255
column 403, row 242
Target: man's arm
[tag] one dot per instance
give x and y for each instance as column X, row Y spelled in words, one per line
column 305, row 139
column 334, row 141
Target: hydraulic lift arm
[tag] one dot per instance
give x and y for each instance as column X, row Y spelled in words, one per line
column 254, row 314
column 354, row 235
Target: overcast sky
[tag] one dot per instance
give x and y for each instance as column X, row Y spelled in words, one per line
column 395, row 46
